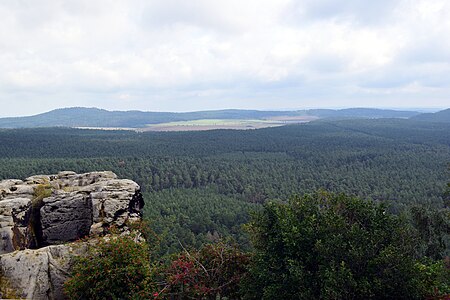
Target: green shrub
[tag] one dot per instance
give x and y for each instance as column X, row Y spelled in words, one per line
column 42, row 191
column 213, row 272
column 114, row 268
column 435, row 278
column 327, row 246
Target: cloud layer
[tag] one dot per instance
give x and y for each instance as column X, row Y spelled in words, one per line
column 190, row 55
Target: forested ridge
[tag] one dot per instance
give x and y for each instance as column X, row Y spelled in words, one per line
column 440, row 116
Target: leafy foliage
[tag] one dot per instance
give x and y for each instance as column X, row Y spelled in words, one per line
column 42, row 191
column 116, row 267
column 213, row 272
column 328, row 246
column 120, row 268
column 433, row 229
column 435, row 278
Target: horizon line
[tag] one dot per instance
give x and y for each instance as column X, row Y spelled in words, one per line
column 424, row 109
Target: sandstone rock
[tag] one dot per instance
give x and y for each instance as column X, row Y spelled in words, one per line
column 8, row 183
column 15, row 232
column 115, row 203
column 78, row 180
column 38, row 179
column 65, row 217
column 14, row 188
column 26, row 190
column 55, row 209
column 73, row 206
column 40, row 273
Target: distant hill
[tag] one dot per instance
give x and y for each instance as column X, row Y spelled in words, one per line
column 364, row 113
column 94, row 117
column 442, row 116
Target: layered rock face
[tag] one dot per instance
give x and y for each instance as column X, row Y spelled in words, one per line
column 56, row 209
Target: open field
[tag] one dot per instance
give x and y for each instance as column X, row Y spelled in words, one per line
column 107, row 128
column 210, row 124
column 293, row 119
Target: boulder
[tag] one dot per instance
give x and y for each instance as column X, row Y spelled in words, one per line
column 65, row 217
column 115, row 203
column 37, row 274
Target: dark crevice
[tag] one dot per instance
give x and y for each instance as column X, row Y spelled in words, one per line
column 136, row 203
column 35, row 225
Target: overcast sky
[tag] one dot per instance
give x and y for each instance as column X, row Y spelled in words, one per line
column 184, row 55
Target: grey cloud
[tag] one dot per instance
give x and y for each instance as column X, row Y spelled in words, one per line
column 200, row 54
column 362, row 12
column 401, row 74
column 431, row 50
column 203, row 14
column 390, row 77
column 327, row 63
column 386, row 82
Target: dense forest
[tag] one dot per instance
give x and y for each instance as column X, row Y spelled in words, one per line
column 201, row 186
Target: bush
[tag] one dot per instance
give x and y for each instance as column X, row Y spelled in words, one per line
column 116, row 267
column 327, row 246
column 120, row 268
column 213, row 272
column 42, row 191
column 435, row 281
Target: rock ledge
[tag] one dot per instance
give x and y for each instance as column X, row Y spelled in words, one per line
column 41, row 214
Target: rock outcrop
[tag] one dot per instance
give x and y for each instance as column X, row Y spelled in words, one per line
column 40, row 215
column 65, row 217
column 38, row 274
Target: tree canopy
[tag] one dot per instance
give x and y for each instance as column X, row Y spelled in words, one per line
column 331, row 246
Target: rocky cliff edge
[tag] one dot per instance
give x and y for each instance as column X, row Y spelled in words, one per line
column 40, row 217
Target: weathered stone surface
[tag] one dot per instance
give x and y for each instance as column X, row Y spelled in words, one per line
column 52, row 210
column 72, row 179
column 40, row 273
column 65, row 217
column 115, row 203
column 8, row 183
column 15, row 232
column 14, row 188
column 38, row 179
column 75, row 205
